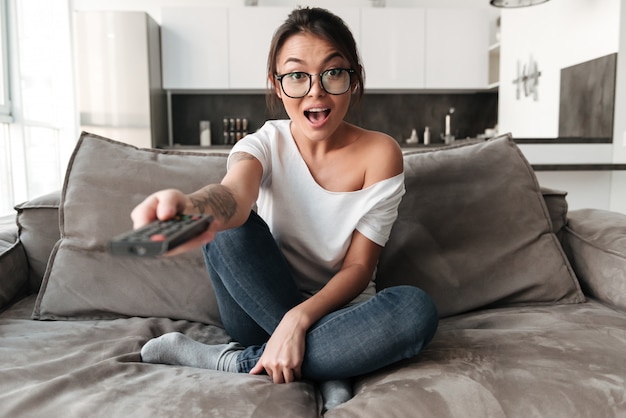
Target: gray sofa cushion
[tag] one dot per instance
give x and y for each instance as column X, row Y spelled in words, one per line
column 104, row 181
column 38, row 222
column 12, row 265
column 564, row 361
column 473, row 231
column 595, row 240
column 556, row 203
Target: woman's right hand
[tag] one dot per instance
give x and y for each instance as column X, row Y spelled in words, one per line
column 164, row 205
column 161, row 205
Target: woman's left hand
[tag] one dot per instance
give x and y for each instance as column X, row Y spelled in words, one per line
column 284, row 352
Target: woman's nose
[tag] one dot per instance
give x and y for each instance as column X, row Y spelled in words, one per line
column 316, row 86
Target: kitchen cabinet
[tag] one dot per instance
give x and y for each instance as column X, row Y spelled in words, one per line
column 494, row 66
column 118, row 77
column 457, row 43
column 351, row 16
column 248, row 50
column 250, row 32
column 225, row 48
column 393, row 47
column 194, row 48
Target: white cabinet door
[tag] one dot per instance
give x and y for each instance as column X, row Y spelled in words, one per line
column 351, row 16
column 457, row 45
column 392, row 47
column 194, row 48
column 250, row 32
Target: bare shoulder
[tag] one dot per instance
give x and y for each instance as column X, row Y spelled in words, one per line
column 382, row 143
column 382, row 154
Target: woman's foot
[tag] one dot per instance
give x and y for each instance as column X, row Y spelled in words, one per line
column 335, row 392
column 177, row 349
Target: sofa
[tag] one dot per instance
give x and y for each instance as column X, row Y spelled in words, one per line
column 531, row 297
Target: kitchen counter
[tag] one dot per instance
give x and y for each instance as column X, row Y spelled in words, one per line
column 557, row 154
column 563, row 140
column 579, row 167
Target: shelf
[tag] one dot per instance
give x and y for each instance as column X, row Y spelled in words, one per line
column 494, row 65
column 579, row 167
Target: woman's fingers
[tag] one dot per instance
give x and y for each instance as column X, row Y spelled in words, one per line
column 278, row 374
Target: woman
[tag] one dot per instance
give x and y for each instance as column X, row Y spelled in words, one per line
column 294, row 282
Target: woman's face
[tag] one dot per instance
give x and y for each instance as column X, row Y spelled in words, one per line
column 318, row 114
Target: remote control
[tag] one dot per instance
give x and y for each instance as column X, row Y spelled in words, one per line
column 159, row 237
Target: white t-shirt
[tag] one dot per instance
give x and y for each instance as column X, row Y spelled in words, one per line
column 313, row 226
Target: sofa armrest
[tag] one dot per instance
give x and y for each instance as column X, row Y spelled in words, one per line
column 595, row 243
column 38, row 222
column 13, row 266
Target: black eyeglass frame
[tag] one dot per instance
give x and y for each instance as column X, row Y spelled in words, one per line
column 280, row 77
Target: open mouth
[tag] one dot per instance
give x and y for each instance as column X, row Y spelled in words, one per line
column 317, row 115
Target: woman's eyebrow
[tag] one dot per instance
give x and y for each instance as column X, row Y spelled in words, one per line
column 296, row 60
column 329, row 58
column 332, row 56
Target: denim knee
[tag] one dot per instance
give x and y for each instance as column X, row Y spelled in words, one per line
column 422, row 316
column 235, row 239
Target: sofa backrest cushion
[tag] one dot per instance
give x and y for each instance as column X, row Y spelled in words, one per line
column 38, row 222
column 556, row 202
column 104, row 181
column 595, row 241
column 474, row 231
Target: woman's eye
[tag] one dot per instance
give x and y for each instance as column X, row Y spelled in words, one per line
column 296, row 76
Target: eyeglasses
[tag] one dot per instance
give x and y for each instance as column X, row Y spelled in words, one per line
column 298, row 84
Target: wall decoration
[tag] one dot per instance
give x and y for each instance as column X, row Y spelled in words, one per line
column 587, row 99
column 528, row 79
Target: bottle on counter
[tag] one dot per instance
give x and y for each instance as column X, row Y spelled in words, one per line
column 413, row 138
column 205, row 133
column 426, row 135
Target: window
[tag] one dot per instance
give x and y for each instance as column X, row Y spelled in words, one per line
column 5, row 100
column 38, row 137
column 6, row 185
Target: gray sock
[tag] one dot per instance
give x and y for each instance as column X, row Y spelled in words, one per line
column 177, row 349
column 336, row 392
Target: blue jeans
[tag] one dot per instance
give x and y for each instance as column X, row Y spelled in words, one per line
column 255, row 288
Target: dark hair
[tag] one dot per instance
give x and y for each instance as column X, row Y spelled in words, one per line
column 319, row 22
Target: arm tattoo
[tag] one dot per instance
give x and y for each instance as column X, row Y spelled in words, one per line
column 215, row 199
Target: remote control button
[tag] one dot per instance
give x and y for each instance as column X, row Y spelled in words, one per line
column 158, row 238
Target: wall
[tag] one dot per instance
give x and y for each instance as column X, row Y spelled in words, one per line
column 559, row 34
column 618, row 181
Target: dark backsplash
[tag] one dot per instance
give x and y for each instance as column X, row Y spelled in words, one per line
column 394, row 114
